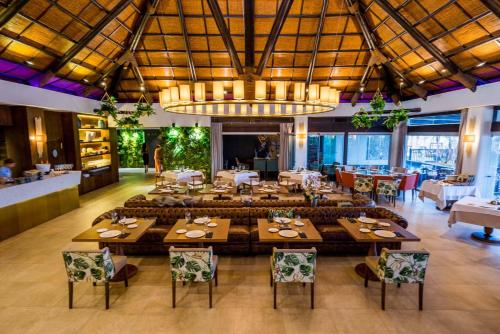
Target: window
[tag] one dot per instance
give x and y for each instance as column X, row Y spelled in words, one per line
column 434, row 155
column 324, row 150
column 368, row 150
column 494, row 166
column 453, row 118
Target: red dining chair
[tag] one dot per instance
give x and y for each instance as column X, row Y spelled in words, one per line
column 348, row 180
column 338, row 177
column 408, row 183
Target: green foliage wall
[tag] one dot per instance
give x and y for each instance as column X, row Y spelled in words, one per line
column 130, row 147
column 187, row 147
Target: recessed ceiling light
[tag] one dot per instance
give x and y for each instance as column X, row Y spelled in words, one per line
column 30, row 63
column 361, row 89
column 421, row 82
column 225, row 92
column 103, row 83
column 498, row 41
column 401, row 84
column 85, row 80
column 443, row 70
column 481, row 64
column 142, row 88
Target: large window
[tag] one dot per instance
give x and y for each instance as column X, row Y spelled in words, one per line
column 433, row 155
column 494, row 166
column 324, row 150
column 368, row 150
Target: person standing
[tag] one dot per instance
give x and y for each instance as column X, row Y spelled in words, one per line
column 6, row 171
column 145, row 157
column 158, row 159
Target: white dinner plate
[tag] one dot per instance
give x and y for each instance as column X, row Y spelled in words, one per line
column 282, row 220
column 364, row 230
column 212, row 224
column 195, row 234
column 181, row 231
column 128, row 221
column 367, row 220
column 384, row 224
column 385, row 234
column 298, row 223
column 110, row 234
column 219, row 190
column 100, row 230
column 201, row 220
column 288, row 233
column 273, row 229
column 132, row 225
column 325, row 190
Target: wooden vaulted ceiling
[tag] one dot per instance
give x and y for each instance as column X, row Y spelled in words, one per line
column 406, row 48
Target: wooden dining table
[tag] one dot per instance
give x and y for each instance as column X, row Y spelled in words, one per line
column 131, row 235
column 311, row 233
column 220, row 232
column 352, row 226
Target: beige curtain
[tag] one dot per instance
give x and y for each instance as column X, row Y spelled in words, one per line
column 460, row 149
column 285, row 131
column 398, row 146
column 216, row 148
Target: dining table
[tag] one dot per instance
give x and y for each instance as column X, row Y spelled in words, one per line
column 181, row 175
column 477, row 211
column 166, row 190
column 129, row 231
column 269, row 192
column 201, row 231
column 220, row 192
column 236, row 177
column 364, row 230
column 444, row 193
column 297, row 231
column 300, row 177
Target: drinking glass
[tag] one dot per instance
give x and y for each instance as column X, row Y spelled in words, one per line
column 362, row 215
column 114, row 217
column 187, row 215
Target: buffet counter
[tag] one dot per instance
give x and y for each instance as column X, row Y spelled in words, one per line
column 26, row 205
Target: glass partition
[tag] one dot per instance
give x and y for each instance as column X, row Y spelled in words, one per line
column 364, row 150
column 324, row 150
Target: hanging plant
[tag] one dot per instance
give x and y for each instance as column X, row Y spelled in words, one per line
column 395, row 117
column 107, row 107
column 143, row 107
column 128, row 122
column 377, row 103
column 364, row 120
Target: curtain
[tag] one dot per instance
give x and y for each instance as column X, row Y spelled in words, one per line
column 216, row 148
column 285, row 131
column 398, row 146
column 460, row 149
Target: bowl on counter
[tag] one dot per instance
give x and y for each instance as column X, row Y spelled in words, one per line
column 43, row 167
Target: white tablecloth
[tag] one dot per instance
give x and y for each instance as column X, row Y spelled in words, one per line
column 477, row 211
column 236, row 178
column 301, row 177
column 441, row 192
column 178, row 176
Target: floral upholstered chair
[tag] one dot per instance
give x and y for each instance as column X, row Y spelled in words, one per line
column 96, row 266
column 398, row 266
column 389, row 189
column 363, row 185
column 193, row 265
column 293, row 266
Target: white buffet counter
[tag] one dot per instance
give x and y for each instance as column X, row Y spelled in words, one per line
column 15, row 193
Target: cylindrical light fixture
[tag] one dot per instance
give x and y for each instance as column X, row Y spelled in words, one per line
column 280, row 94
column 334, row 96
column 199, row 91
column 218, row 90
column 260, row 90
column 164, row 97
column 324, row 94
column 174, row 94
column 313, row 93
column 184, row 93
column 239, row 90
column 299, row 91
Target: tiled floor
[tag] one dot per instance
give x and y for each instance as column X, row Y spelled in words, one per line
column 462, row 293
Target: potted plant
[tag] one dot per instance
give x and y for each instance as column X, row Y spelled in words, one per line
column 395, row 117
column 363, row 119
column 107, row 106
column 311, row 186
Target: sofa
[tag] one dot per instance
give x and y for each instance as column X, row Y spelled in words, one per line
column 243, row 235
column 140, row 201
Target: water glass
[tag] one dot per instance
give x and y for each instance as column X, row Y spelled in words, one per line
column 362, row 215
column 187, row 215
column 114, row 217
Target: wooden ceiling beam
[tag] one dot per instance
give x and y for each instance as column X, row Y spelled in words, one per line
column 465, row 79
column 278, row 23
column 11, row 11
column 317, row 39
column 185, row 37
column 249, row 14
column 225, row 34
column 493, row 5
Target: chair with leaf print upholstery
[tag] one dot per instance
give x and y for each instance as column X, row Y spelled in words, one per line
column 363, row 185
column 193, row 265
column 389, row 189
column 293, row 266
column 399, row 266
column 96, row 266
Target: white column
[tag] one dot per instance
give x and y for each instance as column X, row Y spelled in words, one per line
column 478, row 152
column 300, row 141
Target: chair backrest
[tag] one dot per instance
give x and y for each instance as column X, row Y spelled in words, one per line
column 191, row 264
column 408, row 182
column 363, row 184
column 398, row 266
column 196, row 178
column 348, row 179
column 294, row 265
column 399, row 169
column 338, row 177
column 92, row 265
column 377, row 178
column 417, row 178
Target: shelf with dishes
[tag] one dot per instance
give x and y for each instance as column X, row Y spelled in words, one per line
column 96, row 161
column 91, row 122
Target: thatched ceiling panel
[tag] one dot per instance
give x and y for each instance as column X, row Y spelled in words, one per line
column 277, row 73
column 202, row 59
column 35, row 8
column 91, row 14
column 153, row 42
column 282, row 60
column 468, row 33
column 17, row 24
column 221, row 59
column 304, row 60
column 204, row 73
column 329, row 42
column 175, row 43
column 181, row 72
column 299, row 74
column 473, row 8
column 191, row 7
column 263, row 25
column 267, row 7
column 285, row 44
column 153, row 26
column 352, row 42
column 216, row 44
column 228, row 73
column 200, row 43
column 239, row 44
column 75, row 31
column 169, row 25
column 291, row 26
column 40, row 34
column 491, row 23
column 55, row 19
column 236, row 26
column 178, row 58
column 334, row 24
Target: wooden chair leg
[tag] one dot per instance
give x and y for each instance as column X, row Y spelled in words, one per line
column 173, row 293
column 70, row 291
column 216, row 276
column 303, row 285
column 274, row 293
column 383, row 296
column 94, row 283
column 125, row 272
column 106, row 288
column 312, row 295
column 271, row 278
column 210, row 294
column 399, row 285
column 366, row 276
column 420, row 296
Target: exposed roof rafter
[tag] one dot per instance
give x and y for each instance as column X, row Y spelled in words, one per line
column 249, row 14
column 185, row 37
column 493, row 5
column 14, row 8
column 314, row 55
